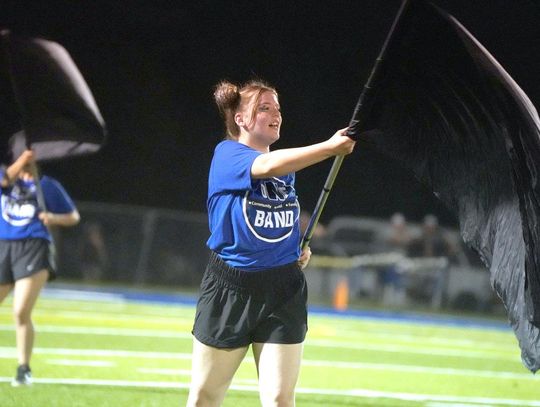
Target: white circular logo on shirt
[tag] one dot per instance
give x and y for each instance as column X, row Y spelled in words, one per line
column 17, row 213
column 271, row 210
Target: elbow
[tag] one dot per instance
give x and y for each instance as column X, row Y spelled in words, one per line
column 74, row 218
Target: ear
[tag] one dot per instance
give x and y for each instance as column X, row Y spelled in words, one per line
column 239, row 119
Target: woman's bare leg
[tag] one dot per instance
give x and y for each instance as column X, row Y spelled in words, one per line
column 24, row 298
column 278, row 366
column 212, row 371
column 4, row 291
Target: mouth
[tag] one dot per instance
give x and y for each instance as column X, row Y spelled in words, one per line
column 274, row 125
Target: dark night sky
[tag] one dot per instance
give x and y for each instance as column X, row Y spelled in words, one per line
column 152, row 66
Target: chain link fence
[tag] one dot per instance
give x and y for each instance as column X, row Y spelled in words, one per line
column 138, row 245
column 150, row 246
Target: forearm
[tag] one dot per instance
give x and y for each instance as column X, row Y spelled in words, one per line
column 60, row 219
column 281, row 162
column 14, row 169
column 11, row 173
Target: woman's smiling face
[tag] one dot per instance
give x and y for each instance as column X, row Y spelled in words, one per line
column 265, row 126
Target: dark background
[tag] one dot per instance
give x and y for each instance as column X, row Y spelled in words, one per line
column 152, row 66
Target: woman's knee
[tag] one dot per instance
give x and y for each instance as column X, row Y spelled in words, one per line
column 204, row 397
column 25, row 295
column 277, row 398
column 22, row 315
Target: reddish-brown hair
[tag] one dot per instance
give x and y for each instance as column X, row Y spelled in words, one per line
column 231, row 99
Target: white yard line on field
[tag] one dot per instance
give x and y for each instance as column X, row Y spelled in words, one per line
column 507, row 354
column 421, row 369
column 100, row 316
column 74, row 362
column 452, row 341
column 363, row 393
column 510, row 354
column 6, row 352
column 184, row 372
column 168, row 372
column 122, row 309
column 80, row 295
column 117, row 317
column 442, row 404
column 182, row 322
column 153, row 333
column 89, row 309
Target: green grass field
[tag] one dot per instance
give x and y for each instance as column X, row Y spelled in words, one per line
column 109, row 352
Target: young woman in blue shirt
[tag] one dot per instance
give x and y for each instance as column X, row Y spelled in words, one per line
column 25, row 264
column 253, row 291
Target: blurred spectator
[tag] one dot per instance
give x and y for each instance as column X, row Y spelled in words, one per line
column 390, row 278
column 93, row 255
column 398, row 237
column 432, row 242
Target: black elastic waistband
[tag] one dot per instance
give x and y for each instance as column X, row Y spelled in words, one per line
column 261, row 279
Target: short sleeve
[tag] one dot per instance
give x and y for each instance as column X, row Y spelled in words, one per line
column 231, row 167
column 57, row 199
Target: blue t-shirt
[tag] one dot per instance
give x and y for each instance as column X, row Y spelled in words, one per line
column 253, row 222
column 19, row 218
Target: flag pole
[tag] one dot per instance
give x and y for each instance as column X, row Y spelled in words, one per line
column 42, row 206
column 360, row 113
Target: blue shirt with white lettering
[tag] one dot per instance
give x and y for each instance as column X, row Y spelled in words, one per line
column 253, row 222
column 19, row 218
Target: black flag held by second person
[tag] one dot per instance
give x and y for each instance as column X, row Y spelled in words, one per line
column 446, row 109
column 45, row 100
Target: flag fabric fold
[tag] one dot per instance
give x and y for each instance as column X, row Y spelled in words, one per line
column 49, row 101
column 447, row 110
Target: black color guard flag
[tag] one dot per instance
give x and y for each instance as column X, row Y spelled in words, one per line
column 446, row 109
column 45, row 98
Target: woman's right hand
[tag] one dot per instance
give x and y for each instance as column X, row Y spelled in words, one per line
column 26, row 157
column 340, row 143
column 14, row 170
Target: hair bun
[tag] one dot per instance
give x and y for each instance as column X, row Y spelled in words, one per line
column 227, row 96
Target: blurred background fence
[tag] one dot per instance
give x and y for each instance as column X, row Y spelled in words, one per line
column 136, row 245
column 149, row 246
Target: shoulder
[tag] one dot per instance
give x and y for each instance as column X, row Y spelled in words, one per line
column 225, row 144
column 232, row 152
column 45, row 179
column 231, row 145
column 50, row 183
column 224, row 147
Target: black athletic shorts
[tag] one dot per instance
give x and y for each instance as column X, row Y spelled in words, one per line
column 22, row 258
column 239, row 307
